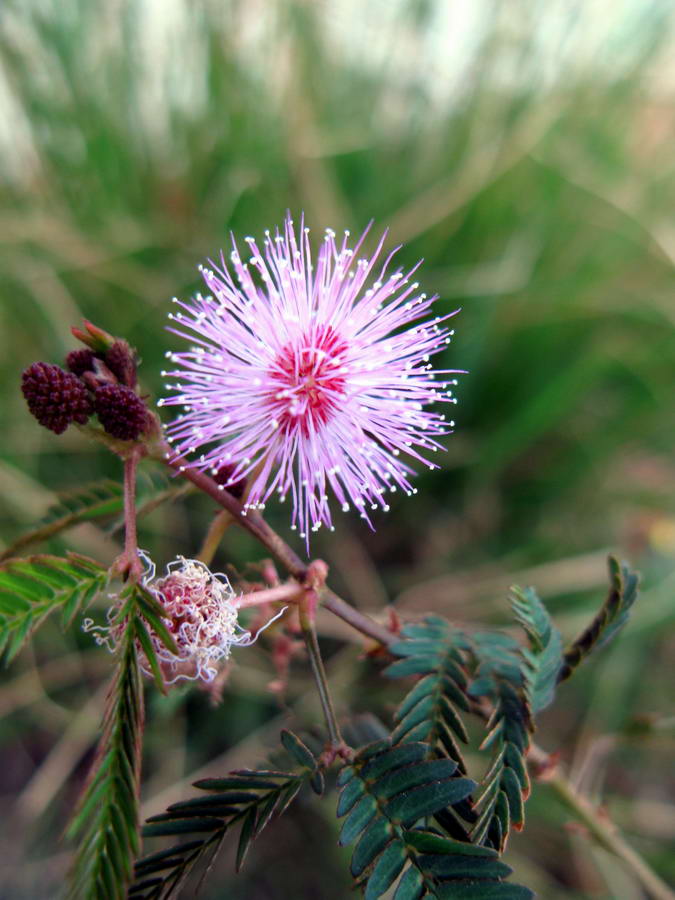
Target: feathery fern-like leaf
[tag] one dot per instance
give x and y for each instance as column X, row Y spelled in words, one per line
column 429, row 712
column 500, row 677
column 544, row 657
column 248, row 797
column 98, row 501
column 610, row 619
column 106, row 822
column 34, row 587
column 385, row 793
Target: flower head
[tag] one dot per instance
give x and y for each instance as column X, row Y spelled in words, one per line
column 201, row 614
column 121, row 411
column 56, row 398
column 307, row 378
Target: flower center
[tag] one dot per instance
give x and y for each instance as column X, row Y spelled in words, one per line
column 309, row 380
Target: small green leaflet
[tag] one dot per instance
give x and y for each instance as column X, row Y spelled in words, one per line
column 388, row 793
column 34, row 587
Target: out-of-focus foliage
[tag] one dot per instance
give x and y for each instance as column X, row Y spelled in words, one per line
column 525, row 151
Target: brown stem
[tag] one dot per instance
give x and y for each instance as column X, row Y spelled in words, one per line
column 254, row 523
column 130, row 534
column 356, row 619
column 128, row 565
column 306, row 616
column 248, row 519
column 283, row 593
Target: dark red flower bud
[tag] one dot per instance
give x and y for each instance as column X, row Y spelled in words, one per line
column 224, row 475
column 121, row 361
column 55, row 397
column 121, row 412
column 81, row 361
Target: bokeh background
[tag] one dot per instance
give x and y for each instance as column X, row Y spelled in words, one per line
column 525, row 150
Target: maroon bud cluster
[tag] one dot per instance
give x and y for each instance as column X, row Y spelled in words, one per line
column 81, row 361
column 121, row 411
column 101, row 379
column 55, row 397
column 223, row 475
column 121, row 361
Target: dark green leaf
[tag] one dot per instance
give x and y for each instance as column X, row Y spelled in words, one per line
column 245, row 836
column 544, row 659
column 228, row 798
column 146, row 644
column 170, row 852
column 350, row 793
column 373, row 840
column 357, row 820
column 420, row 691
column 611, row 617
column 455, row 867
column 317, row 782
column 198, row 824
column 410, row 886
column 299, row 751
column 375, row 748
column 511, row 787
column 428, row 799
column 238, row 783
column 413, row 665
column 344, row 775
column 482, row 891
column 405, row 754
column 386, row 870
column 428, row 842
column 251, row 796
column 418, row 773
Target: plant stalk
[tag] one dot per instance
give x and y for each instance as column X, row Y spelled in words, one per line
column 356, row 619
column 311, row 642
column 254, row 523
column 249, row 519
column 128, row 564
column 283, row 593
column 601, row 827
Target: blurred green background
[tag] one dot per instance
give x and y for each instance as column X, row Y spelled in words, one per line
column 524, row 149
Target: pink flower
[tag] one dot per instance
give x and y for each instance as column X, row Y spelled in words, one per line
column 305, row 379
column 200, row 613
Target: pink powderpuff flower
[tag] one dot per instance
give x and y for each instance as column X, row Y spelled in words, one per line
column 304, row 379
column 201, row 611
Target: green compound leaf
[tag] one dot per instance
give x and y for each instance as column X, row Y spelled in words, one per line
column 385, row 793
column 544, row 658
column 610, row 619
column 249, row 798
column 34, row 587
column 502, row 677
column 95, row 502
column 106, row 822
column 429, row 712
